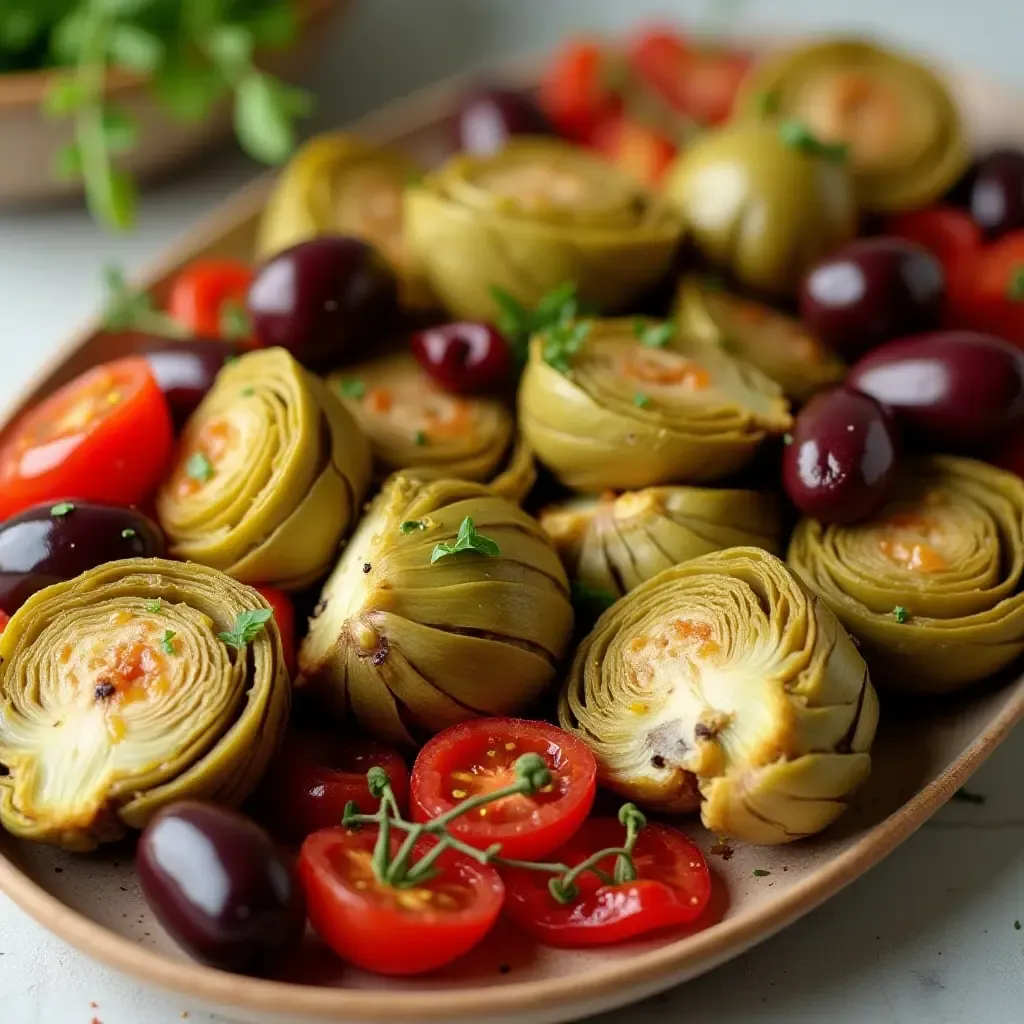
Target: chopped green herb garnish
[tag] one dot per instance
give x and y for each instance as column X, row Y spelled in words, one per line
column 760, row 872
column 641, row 401
column 657, row 335
column 199, row 467
column 562, row 342
column 967, row 797
column 352, row 388
column 517, row 324
column 467, row 540
column 248, row 392
column 62, row 508
column 128, row 309
column 231, row 360
column 127, row 533
column 798, row 136
column 167, row 644
column 787, row 439
column 153, row 606
column 1015, row 287
column 419, row 439
column 411, row 525
column 234, row 321
column 247, row 627
column 899, row 613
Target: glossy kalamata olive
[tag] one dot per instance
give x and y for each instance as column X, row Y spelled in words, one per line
column 870, row 291
column 487, row 117
column 996, row 199
column 842, row 457
column 184, row 370
column 219, row 885
column 464, row 357
column 57, row 541
column 324, row 300
column 953, row 385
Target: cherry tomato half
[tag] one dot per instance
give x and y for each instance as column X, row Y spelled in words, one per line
column 391, row 930
column 208, row 297
column 106, row 437
column 995, row 302
column 673, row 888
column 478, row 757
column 4, row 619
column 574, row 93
column 635, row 148
column 316, row 774
column 284, row 616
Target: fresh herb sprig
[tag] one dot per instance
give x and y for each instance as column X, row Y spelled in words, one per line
column 517, row 324
column 401, row 871
column 468, row 540
column 195, row 52
column 656, row 335
column 247, row 627
column 562, row 342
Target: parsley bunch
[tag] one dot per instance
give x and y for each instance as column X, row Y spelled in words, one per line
column 195, row 53
column 517, row 324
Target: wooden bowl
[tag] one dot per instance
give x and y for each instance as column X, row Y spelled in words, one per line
column 923, row 754
column 164, row 143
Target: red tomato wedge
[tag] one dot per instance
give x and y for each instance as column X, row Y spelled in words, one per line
column 638, row 150
column 478, row 757
column 208, row 297
column 390, row 930
column 698, row 81
column 575, row 92
column 673, row 888
column 284, row 616
column 317, row 773
column 995, row 302
column 106, row 436
column 4, row 619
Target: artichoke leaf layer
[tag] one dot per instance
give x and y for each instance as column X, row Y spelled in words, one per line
column 722, row 683
column 931, row 585
column 117, row 698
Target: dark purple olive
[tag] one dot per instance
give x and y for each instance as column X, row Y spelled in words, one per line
column 870, row 291
column 842, row 457
column 487, row 117
column 324, row 300
column 996, row 199
column 952, row 385
column 184, row 371
column 222, row 889
column 57, row 541
column 464, row 357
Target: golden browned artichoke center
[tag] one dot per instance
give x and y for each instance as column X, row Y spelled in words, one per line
column 415, row 407
column 656, row 368
column 765, row 327
column 535, row 186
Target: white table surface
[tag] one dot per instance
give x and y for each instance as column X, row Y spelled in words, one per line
column 929, row 935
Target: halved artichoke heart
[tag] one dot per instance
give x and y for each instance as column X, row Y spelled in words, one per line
column 340, row 184
column 539, row 213
column 901, row 126
column 777, row 344
column 416, row 427
column 626, row 415
column 410, row 646
column 117, row 698
column 613, row 543
column 722, row 683
column 931, row 586
column 270, row 475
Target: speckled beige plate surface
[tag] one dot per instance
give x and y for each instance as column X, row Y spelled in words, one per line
column 925, row 751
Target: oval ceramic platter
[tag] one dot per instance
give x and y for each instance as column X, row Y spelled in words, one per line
column 921, row 757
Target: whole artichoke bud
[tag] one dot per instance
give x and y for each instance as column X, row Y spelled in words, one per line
column 270, row 475
column 931, row 585
column 448, row 603
column 722, row 683
column 135, row 685
column 612, row 544
column 527, row 219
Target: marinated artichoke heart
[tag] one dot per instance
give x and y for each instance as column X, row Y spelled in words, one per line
column 626, row 415
column 426, row 432
column 339, row 184
column 763, row 202
column 117, row 698
column 903, row 131
column 527, row 219
column 612, row 544
column 722, row 683
column 270, row 475
column 778, row 345
column 408, row 645
column 931, row 585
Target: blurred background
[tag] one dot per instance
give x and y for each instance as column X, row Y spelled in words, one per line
column 367, row 52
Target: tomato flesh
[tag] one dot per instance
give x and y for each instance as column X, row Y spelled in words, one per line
column 205, row 291
column 638, row 150
column 478, row 757
column 673, row 888
column 106, row 437
column 316, row 774
column 574, row 93
column 390, row 930
column 284, row 616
